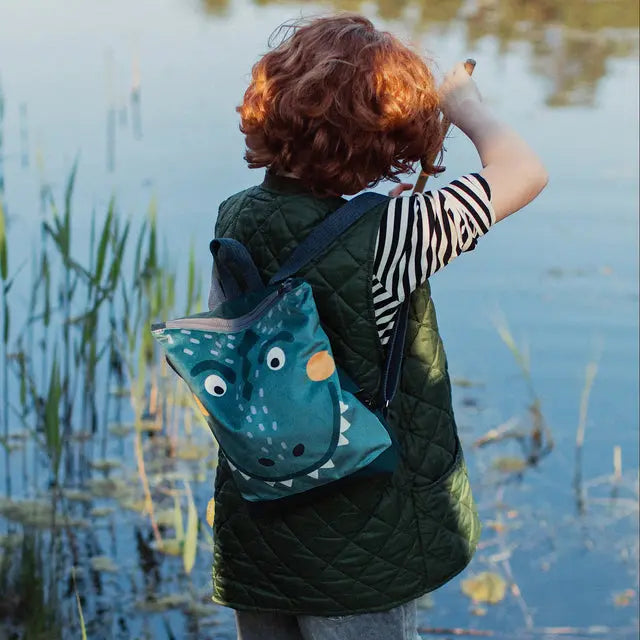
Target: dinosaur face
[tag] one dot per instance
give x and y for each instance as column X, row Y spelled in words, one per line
column 249, row 382
column 272, row 396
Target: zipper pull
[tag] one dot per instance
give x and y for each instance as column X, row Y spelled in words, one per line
column 285, row 286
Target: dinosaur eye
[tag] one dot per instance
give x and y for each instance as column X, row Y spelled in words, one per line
column 215, row 385
column 275, row 358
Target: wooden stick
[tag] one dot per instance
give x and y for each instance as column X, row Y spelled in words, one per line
column 469, row 633
column 469, row 65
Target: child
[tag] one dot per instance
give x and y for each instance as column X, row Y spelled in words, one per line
column 334, row 109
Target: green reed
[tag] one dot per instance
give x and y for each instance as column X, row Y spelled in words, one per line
column 29, row 602
column 540, row 441
column 86, row 348
column 5, row 286
column 4, row 274
column 87, row 328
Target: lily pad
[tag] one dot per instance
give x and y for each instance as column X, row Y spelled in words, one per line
column 20, row 435
column 509, row 464
column 120, row 430
column 103, row 564
column 10, row 445
column 137, row 506
column 149, row 426
column 164, row 603
column 77, row 495
column 496, row 525
column 158, row 442
column 158, row 466
column 170, row 546
column 624, row 598
column 485, row 587
column 165, row 517
column 36, row 513
column 109, row 488
column 191, row 451
column 202, row 610
column 105, row 465
column 425, row 602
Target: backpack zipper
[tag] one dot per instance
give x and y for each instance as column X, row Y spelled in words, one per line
column 228, row 325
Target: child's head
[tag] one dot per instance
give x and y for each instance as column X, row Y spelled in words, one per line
column 341, row 106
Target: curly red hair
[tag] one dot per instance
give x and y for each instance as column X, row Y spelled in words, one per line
column 341, row 106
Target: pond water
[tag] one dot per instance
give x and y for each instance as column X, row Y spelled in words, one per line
column 143, row 95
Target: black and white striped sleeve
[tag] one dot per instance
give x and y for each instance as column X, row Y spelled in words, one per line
column 421, row 234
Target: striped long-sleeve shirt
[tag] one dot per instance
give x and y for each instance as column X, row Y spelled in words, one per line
column 421, row 234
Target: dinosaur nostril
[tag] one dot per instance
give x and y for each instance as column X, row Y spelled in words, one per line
column 298, row 450
column 266, row 462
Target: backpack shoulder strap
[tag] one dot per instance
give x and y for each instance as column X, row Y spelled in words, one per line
column 327, row 232
column 316, row 243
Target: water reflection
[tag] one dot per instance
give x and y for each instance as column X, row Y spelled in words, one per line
column 571, row 41
column 217, row 7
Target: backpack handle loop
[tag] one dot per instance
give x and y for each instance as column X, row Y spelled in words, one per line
column 236, row 270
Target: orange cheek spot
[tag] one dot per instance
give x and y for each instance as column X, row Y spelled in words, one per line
column 200, row 405
column 320, row 366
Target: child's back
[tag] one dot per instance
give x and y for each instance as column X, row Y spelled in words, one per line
column 334, row 109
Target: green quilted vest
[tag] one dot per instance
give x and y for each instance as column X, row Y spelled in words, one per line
column 363, row 544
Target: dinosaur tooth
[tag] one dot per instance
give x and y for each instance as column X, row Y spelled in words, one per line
column 342, row 441
column 271, row 484
column 344, row 424
column 233, row 466
column 286, row 483
column 244, row 475
column 313, row 474
column 328, row 465
column 343, row 407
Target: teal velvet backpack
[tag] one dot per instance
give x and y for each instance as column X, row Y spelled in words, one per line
column 262, row 372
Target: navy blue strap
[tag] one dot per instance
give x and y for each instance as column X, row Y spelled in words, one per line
column 238, row 274
column 326, row 233
column 236, row 270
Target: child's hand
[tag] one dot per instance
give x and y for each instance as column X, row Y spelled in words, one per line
column 458, row 93
column 512, row 169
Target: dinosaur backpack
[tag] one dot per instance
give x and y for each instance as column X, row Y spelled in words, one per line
column 262, row 373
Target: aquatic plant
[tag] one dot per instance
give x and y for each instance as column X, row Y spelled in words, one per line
column 82, row 360
column 28, row 603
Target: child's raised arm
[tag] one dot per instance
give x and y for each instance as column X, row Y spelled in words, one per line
column 513, row 171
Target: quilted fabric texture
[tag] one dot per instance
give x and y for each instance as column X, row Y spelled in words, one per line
column 366, row 543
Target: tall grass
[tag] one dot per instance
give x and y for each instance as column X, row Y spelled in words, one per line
column 91, row 321
column 83, row 350
column 26, row 602
column 539, row 442
column 4, row 288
